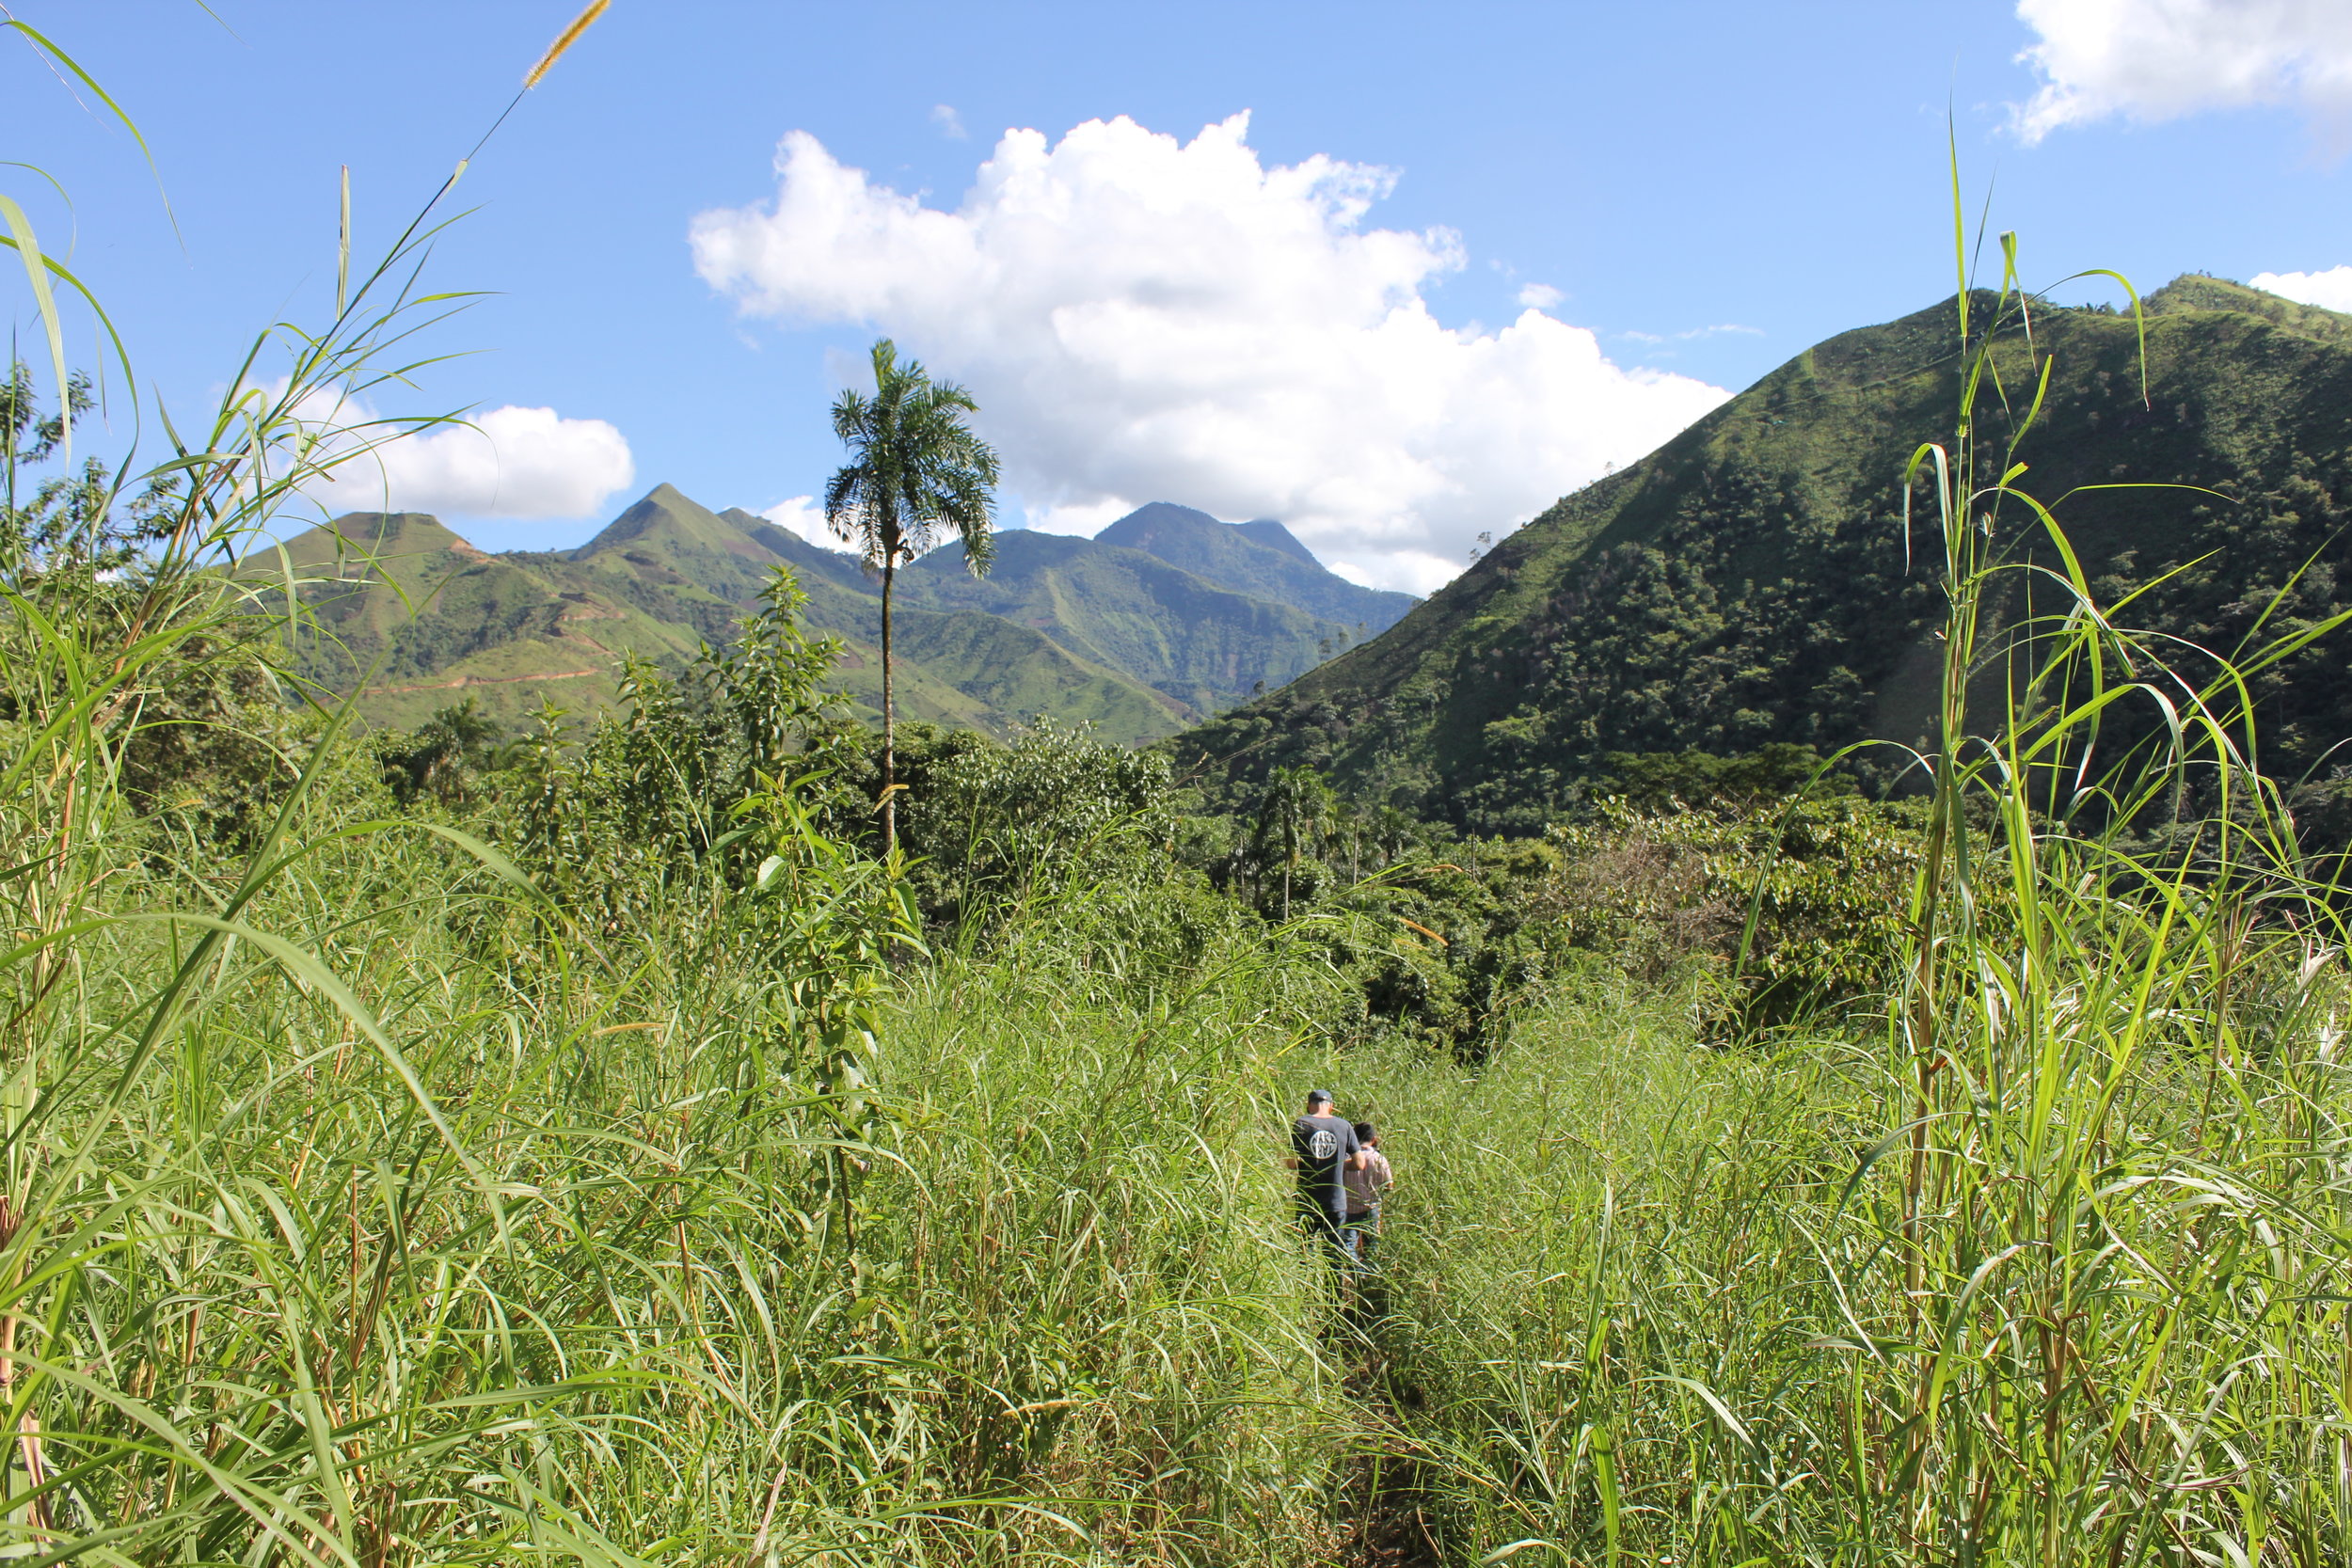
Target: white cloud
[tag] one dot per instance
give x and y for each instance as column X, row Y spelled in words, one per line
column 801, row 515
column 1149, row 320
column 512, row 463
column 2153, row 60
column 2332, row 290
column 949, row 123
column 1540, row 296
column 1720, row 330
column 1084, row 518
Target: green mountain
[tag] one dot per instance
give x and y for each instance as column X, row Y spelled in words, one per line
column 1093, row 633
column 1202, row 611
column 1750, row 582
column 1012, row 670
column 424, row 619
column 1180, row 633
column 1262, row 559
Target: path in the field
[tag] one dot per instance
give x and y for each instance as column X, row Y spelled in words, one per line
column 1386, row 1498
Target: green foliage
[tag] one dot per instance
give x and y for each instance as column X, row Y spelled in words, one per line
column 647, row 802
column 915, row 468
column 1658, row 781
column 1788, row 900
column 1009, row 825
column 1755, row 581
column 443, row 759
column 1298, row 818
column 1730, row 866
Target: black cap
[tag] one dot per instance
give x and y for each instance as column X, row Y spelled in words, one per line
column 1322, row 1095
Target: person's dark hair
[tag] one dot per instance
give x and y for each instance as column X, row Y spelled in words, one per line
column 1366, row 1131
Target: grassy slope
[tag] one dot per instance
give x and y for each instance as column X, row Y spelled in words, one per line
column 1747, row 582
column 1202, row 644
column 431, row 619
column 1016, row 673
column 666, row 576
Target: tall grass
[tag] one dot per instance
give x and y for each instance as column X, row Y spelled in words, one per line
column 560, row 1276
column 2049, row 1269
column 363, row 1205
column 365, row 1201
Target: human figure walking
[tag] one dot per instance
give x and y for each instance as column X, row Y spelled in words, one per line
column 1324, row 1149
column 1367, row 1180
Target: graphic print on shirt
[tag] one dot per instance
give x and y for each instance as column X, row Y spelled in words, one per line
column 1321, row 1145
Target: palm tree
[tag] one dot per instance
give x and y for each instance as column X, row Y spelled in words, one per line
column 915, row 469
column 1295, row 819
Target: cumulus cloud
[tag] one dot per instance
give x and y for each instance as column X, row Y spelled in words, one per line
column 1085, row 518
column 511, row 463
column 2332, row 290
column 1144, row 319
column 1539, row 296
column 801, row 515
column 949, row 123
column 2153, row 60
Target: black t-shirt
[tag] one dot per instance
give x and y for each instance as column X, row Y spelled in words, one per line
column 1323, row 1145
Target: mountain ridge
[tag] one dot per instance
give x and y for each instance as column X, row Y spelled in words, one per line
column 1251, row 558
column 1748, row 582
column 1100, row 634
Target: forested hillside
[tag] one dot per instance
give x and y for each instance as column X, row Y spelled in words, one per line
column 1753, row 581
column 1129, row 639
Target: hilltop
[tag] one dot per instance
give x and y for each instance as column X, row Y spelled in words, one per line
column 1124, row 635
column 1750, row 582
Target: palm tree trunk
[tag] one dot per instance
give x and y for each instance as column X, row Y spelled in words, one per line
column 890, row 757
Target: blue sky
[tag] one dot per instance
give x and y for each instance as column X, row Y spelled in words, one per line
column 1683, row 196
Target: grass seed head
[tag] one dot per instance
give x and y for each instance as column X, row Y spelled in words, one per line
column 569, row 36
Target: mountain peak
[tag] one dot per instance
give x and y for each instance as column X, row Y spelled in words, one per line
column 2197, row 291
column 1274, row 536
column 664, row 510
column 379, row 534
column 1162, row 514
column 1261, row 558
column 1747, row 584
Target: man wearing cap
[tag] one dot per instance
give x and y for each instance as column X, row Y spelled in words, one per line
column 1322, row 1150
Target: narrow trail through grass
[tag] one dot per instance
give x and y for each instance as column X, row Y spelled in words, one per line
column 631, row 1165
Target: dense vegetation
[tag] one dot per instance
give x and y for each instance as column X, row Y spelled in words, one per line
column 1753, row 581
column 456, row 1147
column 593, row 1144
